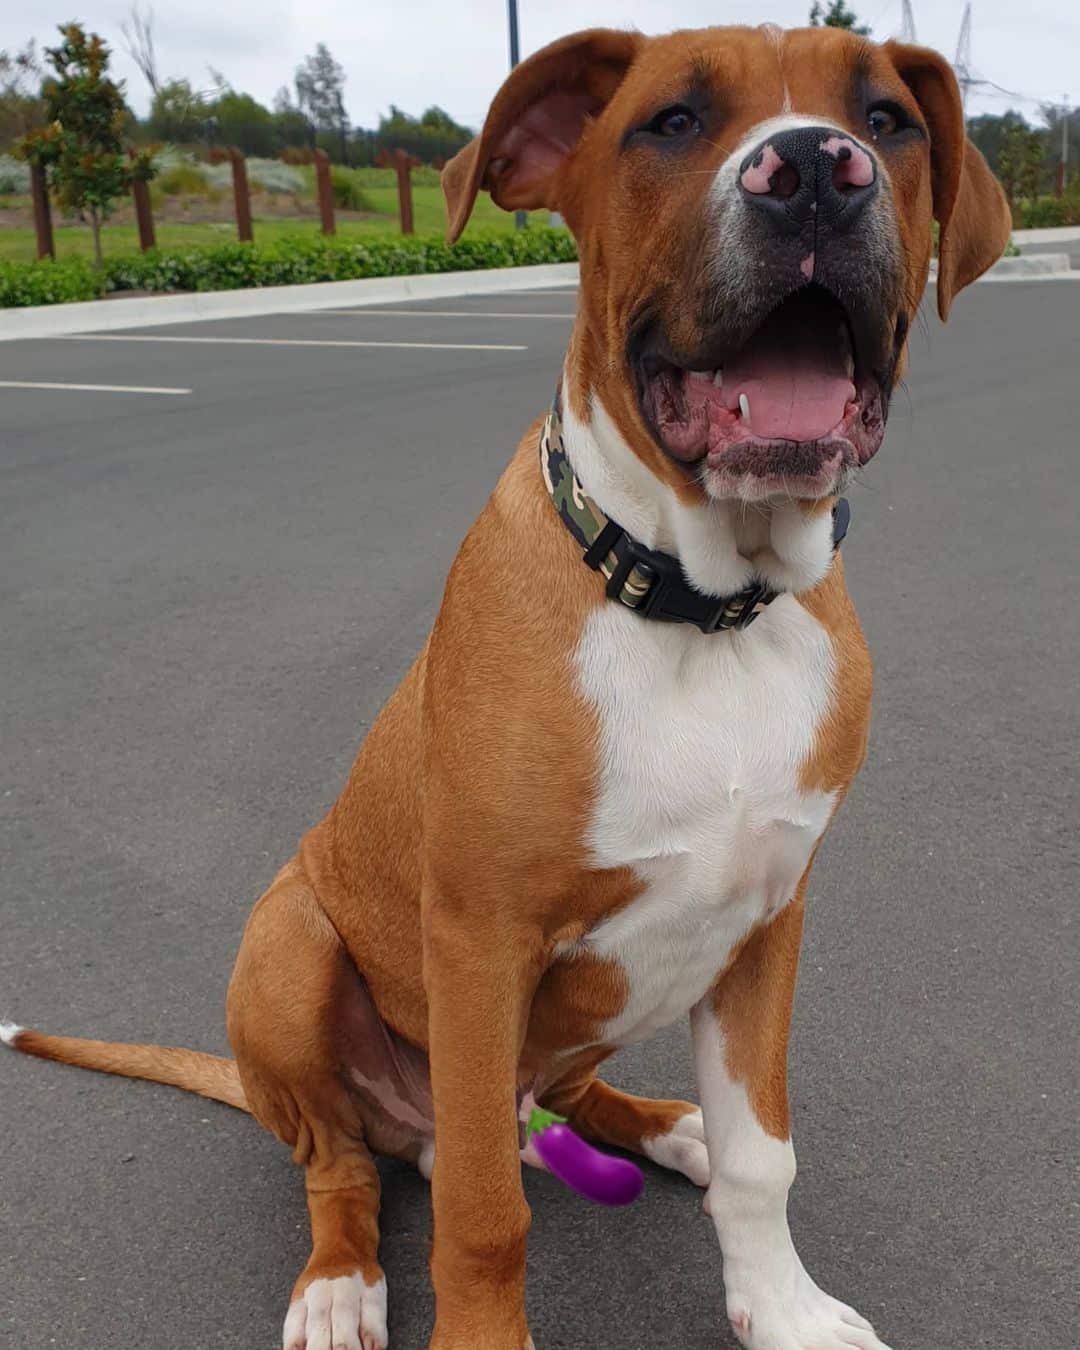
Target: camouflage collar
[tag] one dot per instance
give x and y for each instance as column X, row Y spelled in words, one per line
column 649, row 582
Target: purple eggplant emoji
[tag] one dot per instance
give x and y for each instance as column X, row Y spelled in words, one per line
column 595, row 1175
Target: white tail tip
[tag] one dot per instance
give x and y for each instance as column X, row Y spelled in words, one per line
column 8, row 1032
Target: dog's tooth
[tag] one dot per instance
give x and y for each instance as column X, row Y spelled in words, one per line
column 744, row 407
column 850, row 366
column 718, row 378
column 705, row 376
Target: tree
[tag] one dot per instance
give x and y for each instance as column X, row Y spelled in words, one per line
column 82, row 147
column 989, row 130
column 138, row 31
column 1020, row 161
column 433, row 136
column 1032, row 159
column 1052, row 115
column 21, row 107
column 320, row 85
column 290, row 122
column 241, row 120
column 837, row 15
column 177, row 112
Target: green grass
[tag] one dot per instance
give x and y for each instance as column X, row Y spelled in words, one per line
column 17, row 243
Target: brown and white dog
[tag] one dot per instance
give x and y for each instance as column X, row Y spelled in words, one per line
column 572, row 824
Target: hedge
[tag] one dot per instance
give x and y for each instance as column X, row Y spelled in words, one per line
column 234, row 266
column 48, row 283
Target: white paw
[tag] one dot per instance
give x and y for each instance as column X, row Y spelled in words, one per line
column 9, row 1032
column 342, row 1314
column 804, row 1318
column 682, row 1149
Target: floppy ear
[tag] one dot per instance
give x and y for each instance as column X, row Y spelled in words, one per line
column 535, row 123
column 969, row 205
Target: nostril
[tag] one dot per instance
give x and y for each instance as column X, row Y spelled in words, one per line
column 852, row 166
column 785, row 181
column 757, row 175
column 770, row 175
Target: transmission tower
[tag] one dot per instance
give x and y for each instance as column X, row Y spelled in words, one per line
column 962, row 64
column 907, row 27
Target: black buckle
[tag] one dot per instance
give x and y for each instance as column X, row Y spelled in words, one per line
column 670, row 597
column 760, row 595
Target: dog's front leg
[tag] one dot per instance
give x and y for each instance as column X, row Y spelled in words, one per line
column 480, row 978
column 740, row 1031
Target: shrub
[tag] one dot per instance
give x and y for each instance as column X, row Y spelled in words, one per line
column 182, row 178
column 1071, row 201
column 271, row 175
column 1040, row 214
column 48, row 283
column 267, row 175
column 293, row 261
column 348, row 194
column 232, row 266
column 14, row 175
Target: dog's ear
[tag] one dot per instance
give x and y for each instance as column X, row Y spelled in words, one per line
column 536, row 122
column 969, row 205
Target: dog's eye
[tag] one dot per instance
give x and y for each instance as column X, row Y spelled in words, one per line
column 673, row 122
column 883, row 121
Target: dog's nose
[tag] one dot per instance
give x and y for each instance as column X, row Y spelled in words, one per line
column 809, row 172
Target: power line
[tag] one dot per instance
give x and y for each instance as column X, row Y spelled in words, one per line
column 907, row 27
column 966, row 74
column 962, row 60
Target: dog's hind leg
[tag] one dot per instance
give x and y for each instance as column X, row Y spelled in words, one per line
column 291, row 977
column 670, row 1133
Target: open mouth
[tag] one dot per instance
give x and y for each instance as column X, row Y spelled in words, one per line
column 793, row 408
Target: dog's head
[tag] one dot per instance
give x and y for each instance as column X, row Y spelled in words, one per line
column 753, row 215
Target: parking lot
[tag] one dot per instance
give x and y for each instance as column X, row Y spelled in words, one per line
column 221, row 545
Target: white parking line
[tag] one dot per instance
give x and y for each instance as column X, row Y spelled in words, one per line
column 444, row 313
column 288, row 342
column 91, row 388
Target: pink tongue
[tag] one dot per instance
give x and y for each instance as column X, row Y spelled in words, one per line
column 795, row 380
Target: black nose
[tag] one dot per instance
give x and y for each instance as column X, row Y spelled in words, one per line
column 807, row 173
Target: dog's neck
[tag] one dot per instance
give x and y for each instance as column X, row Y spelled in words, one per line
column 722, row 545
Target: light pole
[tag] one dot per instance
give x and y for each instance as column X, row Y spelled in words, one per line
column 1063, row 171
column 515, row 57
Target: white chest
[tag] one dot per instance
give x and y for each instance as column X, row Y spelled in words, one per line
column 702, row 741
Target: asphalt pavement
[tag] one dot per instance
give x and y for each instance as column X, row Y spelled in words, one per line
column 205, row 597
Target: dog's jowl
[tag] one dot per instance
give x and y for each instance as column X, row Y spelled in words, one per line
column 592, row 805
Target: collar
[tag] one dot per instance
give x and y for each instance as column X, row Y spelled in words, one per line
column 646, row 580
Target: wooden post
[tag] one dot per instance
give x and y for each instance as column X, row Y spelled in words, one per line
column 39, row 192
column 144, row 214
column 325, row 186
column 403, row 163
column 241, row 197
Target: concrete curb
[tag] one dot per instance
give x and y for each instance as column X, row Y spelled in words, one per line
column 99, row 316
column 1054, row 234
column 1031, row 265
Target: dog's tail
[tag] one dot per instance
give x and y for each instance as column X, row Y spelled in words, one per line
column 208, row 1075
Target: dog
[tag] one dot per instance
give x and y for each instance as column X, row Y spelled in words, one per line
column 592, row 805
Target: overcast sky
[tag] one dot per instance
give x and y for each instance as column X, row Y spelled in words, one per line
column 454, row 52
